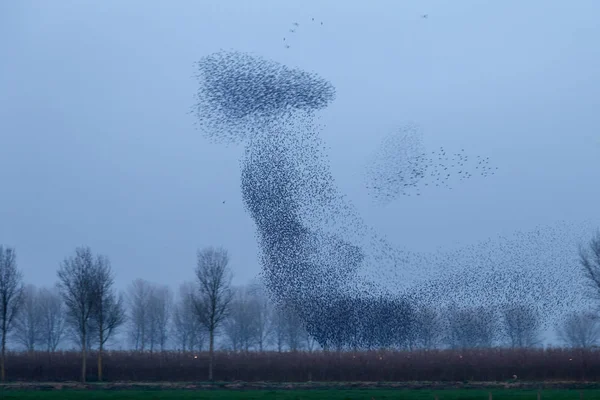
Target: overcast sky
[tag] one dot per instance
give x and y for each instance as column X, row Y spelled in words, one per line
column 97, row 148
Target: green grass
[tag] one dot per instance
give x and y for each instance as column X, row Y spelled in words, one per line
column 356, row 394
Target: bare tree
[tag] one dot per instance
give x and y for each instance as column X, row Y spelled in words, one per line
column 189, row 335
column 28, row 323
column 159, row 308
column 310, row 342
column 150, row 308
column 427, row 326
column 294, row 328
column 11, row 294
column 52, row 325
column 474, row 327
column 279, row 328
column 241, row 326
column 589, row 257
column 522, row 325
column 138, row 296
column 214, row 295
column 108, row 312
column 77, row 277
column 74, row 335
column 288, row 328
column 263, row 314
column 580, row 329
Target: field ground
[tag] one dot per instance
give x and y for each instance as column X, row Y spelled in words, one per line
column 304, row 391
column 332, row 394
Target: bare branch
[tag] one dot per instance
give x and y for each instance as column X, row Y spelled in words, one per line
column 52, row 318
column 139, row 294
column 108, row 312
column 589, row 258
column 427, row 327
column 11, row 294
column 77, row 283
column 159, row 307
column 521, row 325
column 580, row 330
column 471, row 327
column 214, row 295
column 188, row 333
column 28, row 322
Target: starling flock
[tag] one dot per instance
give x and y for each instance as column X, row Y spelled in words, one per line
column 350, row 286
column 402, row 166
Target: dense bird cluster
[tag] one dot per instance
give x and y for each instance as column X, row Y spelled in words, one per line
column 401, row 166
column 240, row 95
column 351, row 287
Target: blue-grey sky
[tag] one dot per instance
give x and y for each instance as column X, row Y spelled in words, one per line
column 97, row 148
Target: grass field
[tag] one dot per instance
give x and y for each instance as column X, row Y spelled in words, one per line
column 333, row 394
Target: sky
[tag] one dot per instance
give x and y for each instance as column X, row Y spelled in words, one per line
column 97, row 146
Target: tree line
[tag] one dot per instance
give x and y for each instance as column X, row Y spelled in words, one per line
column 85, row 309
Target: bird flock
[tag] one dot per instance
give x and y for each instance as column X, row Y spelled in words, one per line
column 402, row 166
column 351, row 287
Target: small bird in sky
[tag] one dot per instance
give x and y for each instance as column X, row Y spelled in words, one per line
column 424, row 15
column 292, row 30
column 223, row 201
column 296, row 24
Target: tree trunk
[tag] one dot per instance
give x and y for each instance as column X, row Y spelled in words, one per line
column 49, row 357
column 83, row 357
column 3, row 356
column 211, row 352
column 100, row 349
column 100, row 363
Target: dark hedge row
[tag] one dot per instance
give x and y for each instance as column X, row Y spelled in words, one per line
column 436, row 365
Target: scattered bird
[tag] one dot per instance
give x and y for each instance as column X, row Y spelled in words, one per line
column 401, row 165
column 424, row 15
